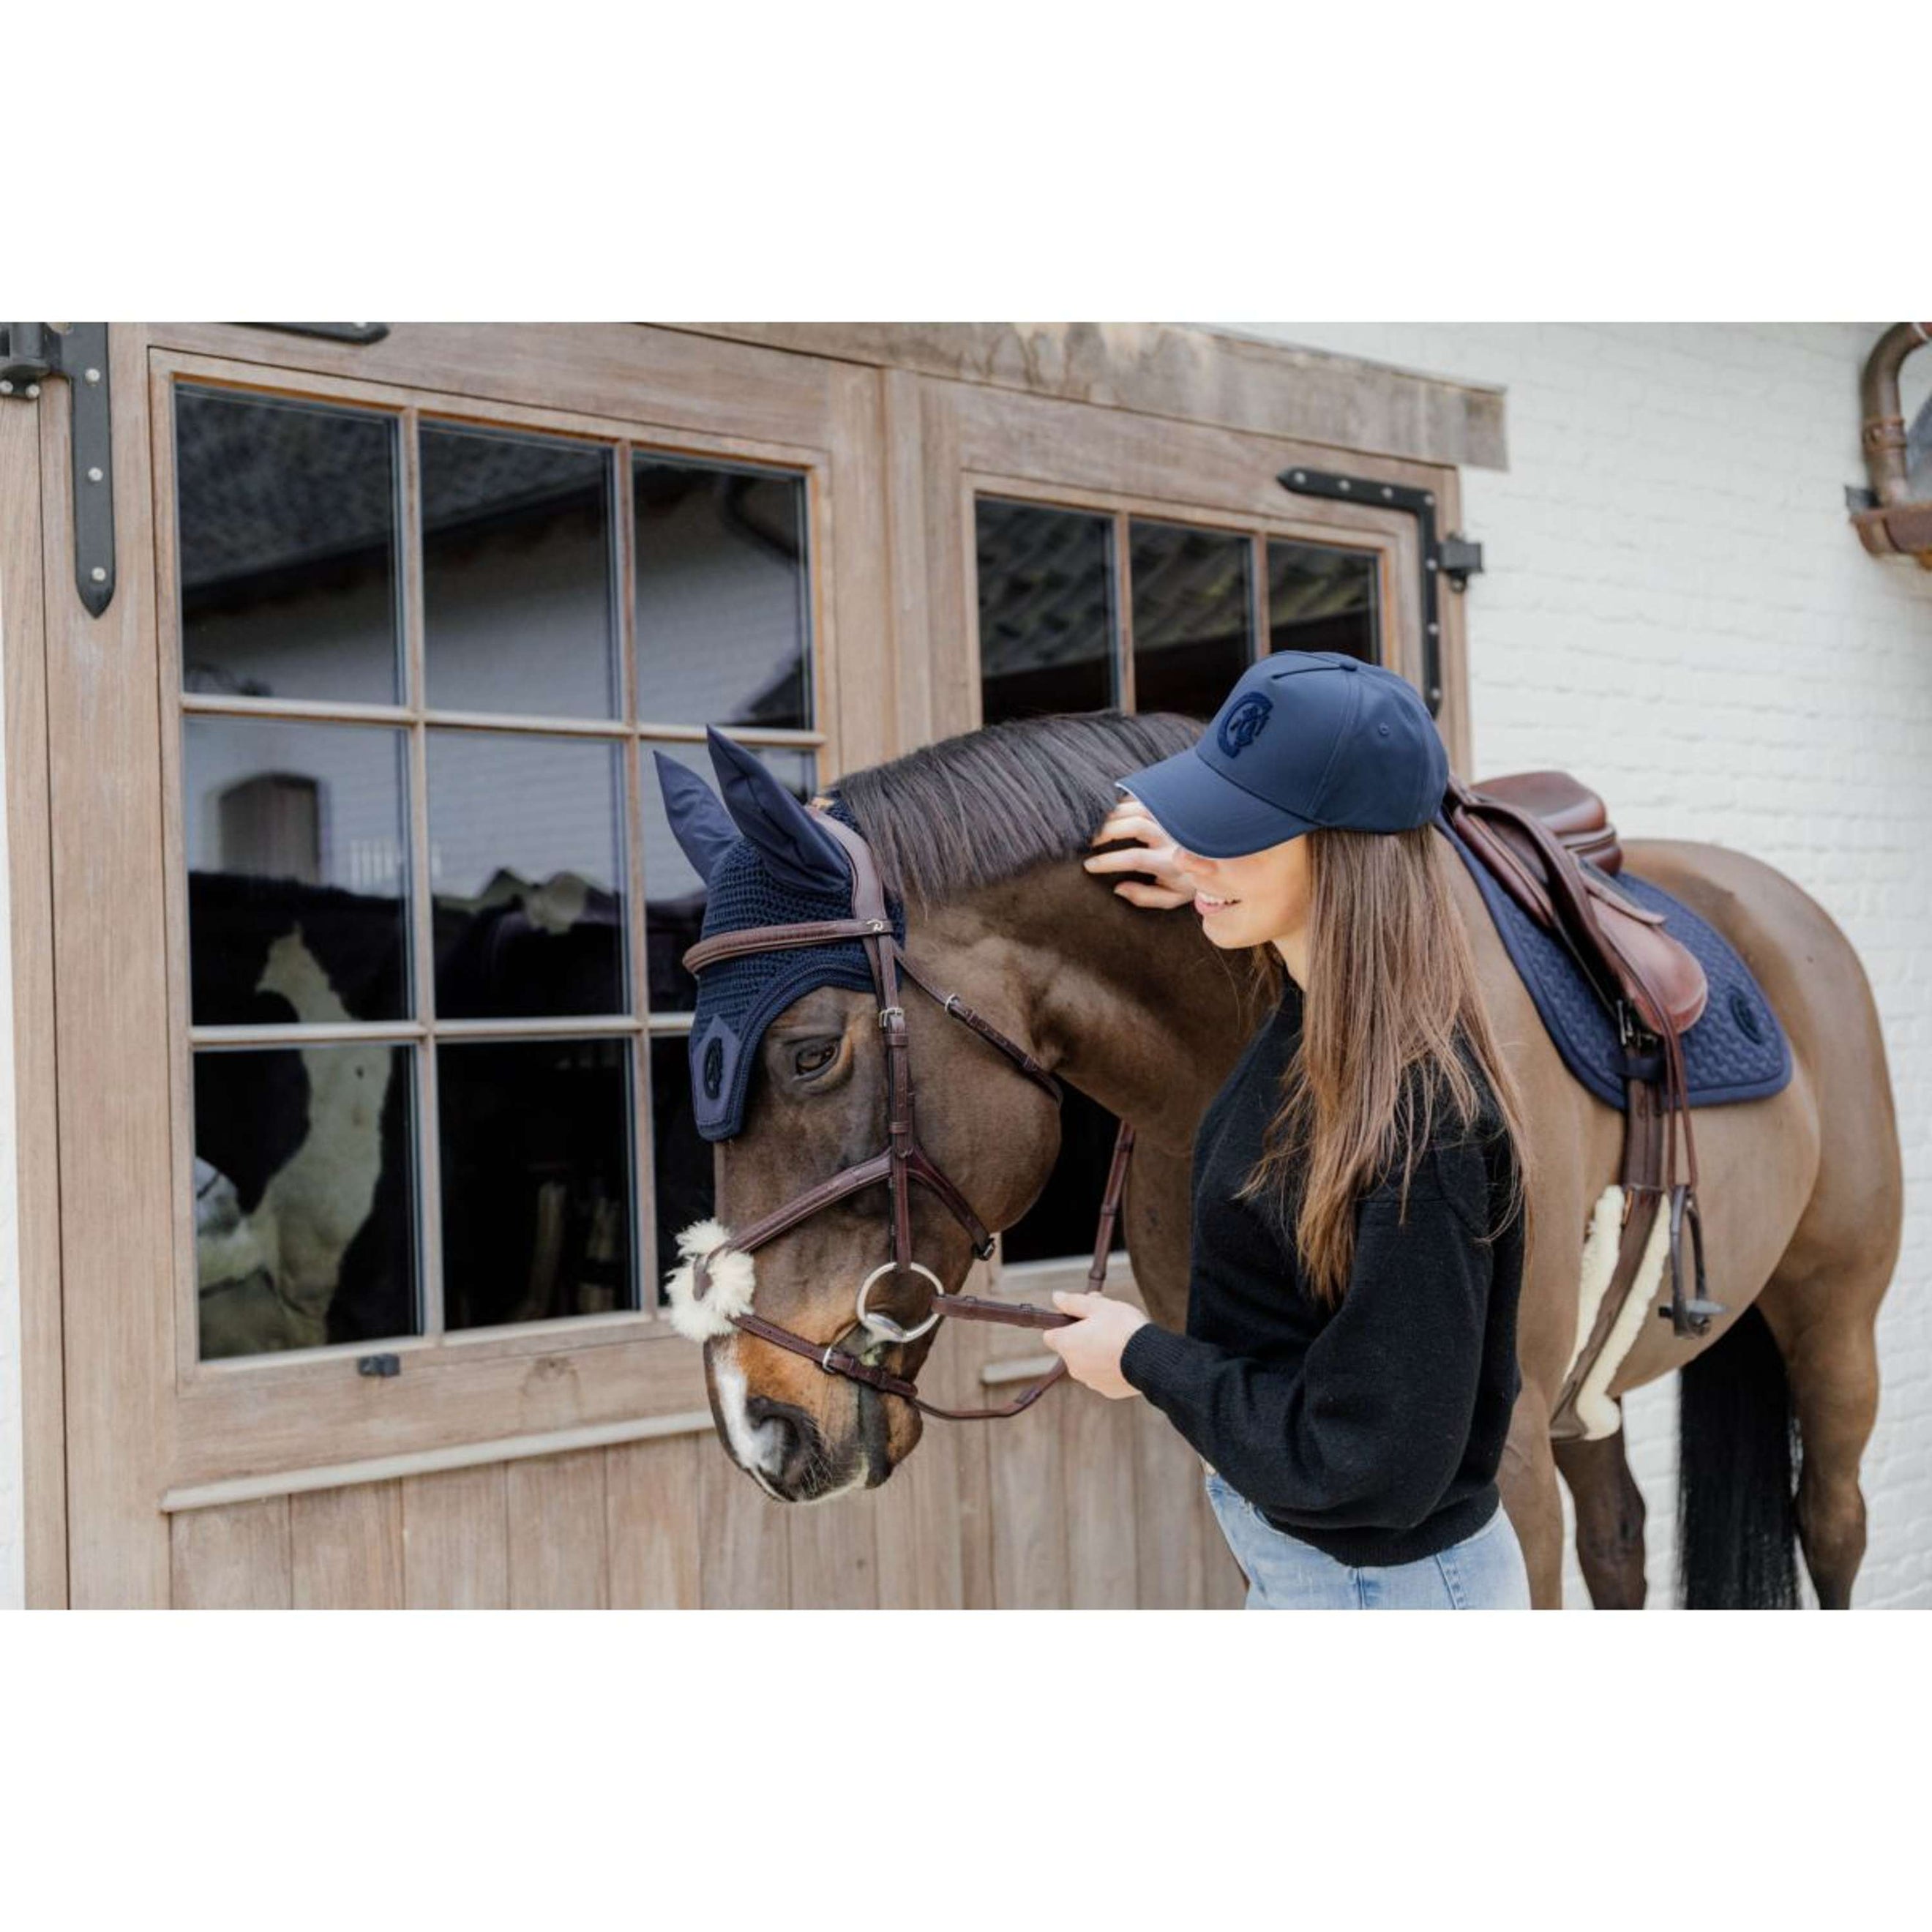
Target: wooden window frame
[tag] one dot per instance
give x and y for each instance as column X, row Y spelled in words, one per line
column 629, row 731
column 221, row 1403
column 1383, row 537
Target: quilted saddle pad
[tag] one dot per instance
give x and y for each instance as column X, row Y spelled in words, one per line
column 1737, row 1051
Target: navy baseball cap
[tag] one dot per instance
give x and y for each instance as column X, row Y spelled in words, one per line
column 1305, row 738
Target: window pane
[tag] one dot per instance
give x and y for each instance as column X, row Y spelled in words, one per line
column 1323, row 600
column 536, row 1179
column 673, row 893
column 518, row 575
column 287, row 529
column 681, row 1178
column 526, row 867
column 1046, row 610
column 1062, row 1222
column 721, row 596
column 1192, row 616
column 304, row 1216
column 296, row 873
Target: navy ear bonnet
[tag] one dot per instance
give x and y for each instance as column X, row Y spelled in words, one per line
column 764, row 863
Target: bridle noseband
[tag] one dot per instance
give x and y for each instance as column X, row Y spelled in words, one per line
column 902, row 1160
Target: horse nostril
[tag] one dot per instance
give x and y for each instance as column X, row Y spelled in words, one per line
column 786, row 1439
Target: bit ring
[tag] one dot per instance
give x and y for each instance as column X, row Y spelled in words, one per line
column 884, row 1325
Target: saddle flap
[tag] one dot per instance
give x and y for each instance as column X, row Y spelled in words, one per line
column 1504, row 834
column 1668, row 970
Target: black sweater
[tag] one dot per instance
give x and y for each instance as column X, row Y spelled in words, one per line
column 1374, row 1431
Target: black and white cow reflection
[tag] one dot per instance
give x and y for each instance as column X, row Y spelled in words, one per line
column 305, row 1223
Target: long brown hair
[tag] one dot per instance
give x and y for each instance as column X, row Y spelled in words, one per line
column 1391, row 1007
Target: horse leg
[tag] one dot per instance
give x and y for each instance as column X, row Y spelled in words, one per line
column 1826, row 1332
column 1527, row 1478
column 1609, row 1519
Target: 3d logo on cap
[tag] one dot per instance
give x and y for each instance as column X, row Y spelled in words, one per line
column 1243, row 725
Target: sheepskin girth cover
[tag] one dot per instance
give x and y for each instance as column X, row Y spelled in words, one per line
column 714, row 1281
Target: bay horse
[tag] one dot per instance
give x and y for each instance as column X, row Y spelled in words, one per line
column 980, row 837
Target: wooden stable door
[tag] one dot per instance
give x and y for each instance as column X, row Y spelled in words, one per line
column 350, row 1027
column 365, row 925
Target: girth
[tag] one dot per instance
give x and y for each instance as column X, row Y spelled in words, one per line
column 903, row 1160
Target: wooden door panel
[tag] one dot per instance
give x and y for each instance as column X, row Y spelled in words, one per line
column 146, row 1471
column 558, row 1521
column 236, row 1557
column 456, row 1540
column 651, row 1495
column 346, row 1548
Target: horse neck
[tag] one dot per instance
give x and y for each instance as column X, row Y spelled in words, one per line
column 1135, row 1008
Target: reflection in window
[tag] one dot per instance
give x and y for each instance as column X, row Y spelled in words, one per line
column 1192, row 616
column 302, row 903
column 518, row 575
column 296, row 871
column 536, row 1180
column 304, row 1225
column 721, row 596
column 1320, row 599
column 526, row 865
column 286, row 520
column 674, row 894
column 272, row 825
column 1046, row 610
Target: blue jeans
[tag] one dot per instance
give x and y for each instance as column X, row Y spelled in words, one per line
column 1485, row 1571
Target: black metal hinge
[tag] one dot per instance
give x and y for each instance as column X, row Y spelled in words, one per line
column 1454, row 557
column 31, row 354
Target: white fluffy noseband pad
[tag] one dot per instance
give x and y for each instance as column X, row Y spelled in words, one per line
column 713, row 1282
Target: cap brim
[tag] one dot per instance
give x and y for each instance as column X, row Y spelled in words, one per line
column 1201, row 810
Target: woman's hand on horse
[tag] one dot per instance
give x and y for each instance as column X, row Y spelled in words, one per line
column 1153, row 851
column 1091, row 1346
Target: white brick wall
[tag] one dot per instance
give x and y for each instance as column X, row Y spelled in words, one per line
column 1673, row 518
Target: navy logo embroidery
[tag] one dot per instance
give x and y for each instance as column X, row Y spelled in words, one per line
column 1243, row 725
column 1745, row 1014
column 714, row 1069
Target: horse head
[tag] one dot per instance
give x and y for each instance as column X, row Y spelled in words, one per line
column 790, row 1081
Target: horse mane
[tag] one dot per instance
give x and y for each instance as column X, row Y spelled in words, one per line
column 986, row 805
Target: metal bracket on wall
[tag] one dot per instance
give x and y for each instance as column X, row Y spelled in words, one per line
column 32, row 353
column 330, row 332
column 1453, row 557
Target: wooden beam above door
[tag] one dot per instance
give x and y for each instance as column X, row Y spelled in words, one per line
column 1191, row 374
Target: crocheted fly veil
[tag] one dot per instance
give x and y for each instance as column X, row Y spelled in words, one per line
column 763, row 862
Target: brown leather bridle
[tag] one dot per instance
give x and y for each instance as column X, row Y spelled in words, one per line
column 902, row 1160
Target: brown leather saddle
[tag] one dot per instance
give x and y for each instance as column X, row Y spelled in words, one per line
column 1547, row 841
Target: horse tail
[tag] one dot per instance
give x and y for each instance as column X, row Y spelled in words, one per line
column 1737, row 1450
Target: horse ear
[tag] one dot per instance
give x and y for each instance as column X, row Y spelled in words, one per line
column 795, row 849
column 701, row 826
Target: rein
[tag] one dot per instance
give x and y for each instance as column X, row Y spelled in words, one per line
column 902, row 1160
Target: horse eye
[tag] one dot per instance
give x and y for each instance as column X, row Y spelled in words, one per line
column 812, row 1059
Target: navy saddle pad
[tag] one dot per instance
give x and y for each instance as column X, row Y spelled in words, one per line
column 1737, row 1051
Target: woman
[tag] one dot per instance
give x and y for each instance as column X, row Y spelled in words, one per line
column 1359, row 1212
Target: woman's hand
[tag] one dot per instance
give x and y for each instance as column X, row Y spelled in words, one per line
column 1091, row 1347
column 1153, row 852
